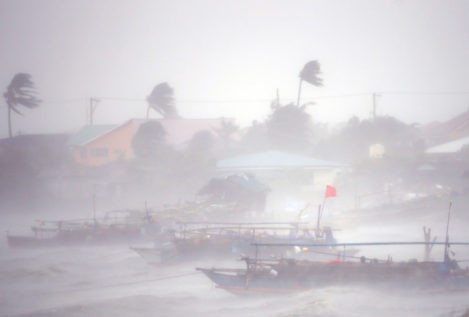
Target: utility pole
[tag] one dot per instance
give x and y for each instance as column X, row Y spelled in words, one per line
column 93, row 105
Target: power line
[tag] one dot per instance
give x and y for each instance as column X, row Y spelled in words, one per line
column 247, row 100
column 71, row 100
column 425, row 93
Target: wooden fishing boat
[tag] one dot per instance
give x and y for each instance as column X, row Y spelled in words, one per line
column 116, row 226
column 198, row 240
column 290, row 275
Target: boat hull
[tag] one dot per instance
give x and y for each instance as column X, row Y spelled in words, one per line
column 292, row 276
column 78, row 237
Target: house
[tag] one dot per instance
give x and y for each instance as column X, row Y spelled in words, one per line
column 453, row 129
column 96, row 145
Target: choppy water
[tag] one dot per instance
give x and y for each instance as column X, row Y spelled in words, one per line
column 115, row 281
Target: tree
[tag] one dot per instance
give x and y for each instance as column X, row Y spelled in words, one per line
column 202, row 142
column 255, row 137
column 290, row 127
column 226, row 131
column 353, row 142
column 149, row 141
column 161, row 100
column 20, row 92
column 310, row 73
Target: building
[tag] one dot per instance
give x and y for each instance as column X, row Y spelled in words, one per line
column 294, row 179
column 453, row 129
column 96, row 145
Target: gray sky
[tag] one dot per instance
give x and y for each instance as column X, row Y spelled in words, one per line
column 226, row 58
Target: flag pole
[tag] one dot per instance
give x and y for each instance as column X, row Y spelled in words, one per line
column 446, row 258
column 330, row 192
column 318, row 220
column 321, row 211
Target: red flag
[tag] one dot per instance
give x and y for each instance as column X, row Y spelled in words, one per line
column 330, row 191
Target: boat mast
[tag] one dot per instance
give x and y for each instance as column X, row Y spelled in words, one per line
column 94, row 205
column 446, row 254
column 318, row 223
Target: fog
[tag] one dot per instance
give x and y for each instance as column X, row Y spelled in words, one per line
column 147, row 146
column 228, row 59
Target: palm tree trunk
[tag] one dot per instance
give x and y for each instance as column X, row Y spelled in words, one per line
column 148, row 112
column 9, row 122
column 299, row 93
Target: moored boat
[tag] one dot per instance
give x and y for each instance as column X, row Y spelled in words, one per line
column 121, row 228
column 231, row 240
column 290, row 275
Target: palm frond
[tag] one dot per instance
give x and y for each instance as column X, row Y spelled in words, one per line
column 310, row 73
column 28, row 102
column 20, row 92
column 14, row 109
column 161, row 100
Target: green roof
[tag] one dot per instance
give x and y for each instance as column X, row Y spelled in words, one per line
column 89, row 133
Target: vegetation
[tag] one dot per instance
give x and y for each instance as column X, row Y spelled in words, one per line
column 20, row 92
column 202, row 142
column 161, row 100
column 161, row 168
column 290, row 127
column 226, row 132
column 310, row 74
column 352, row 143
column 149, row 141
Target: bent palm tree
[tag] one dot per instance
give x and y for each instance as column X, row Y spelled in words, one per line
column 310, row 73
column 20, row 92
column 162, row 101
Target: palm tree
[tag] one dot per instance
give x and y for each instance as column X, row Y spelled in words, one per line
column 162, row 101
column 310, row 73
column 20, row 92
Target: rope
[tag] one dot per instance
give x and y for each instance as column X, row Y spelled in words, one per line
column 340, row 254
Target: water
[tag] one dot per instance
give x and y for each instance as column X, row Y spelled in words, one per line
column 115, row 281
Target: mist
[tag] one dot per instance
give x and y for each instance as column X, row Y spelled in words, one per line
column 255, row 158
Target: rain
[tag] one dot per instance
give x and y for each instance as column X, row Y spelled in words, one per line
column 234, row 158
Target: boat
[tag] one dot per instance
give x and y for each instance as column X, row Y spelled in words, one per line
column 122, row 226
column 291, row 275
column 199, row 240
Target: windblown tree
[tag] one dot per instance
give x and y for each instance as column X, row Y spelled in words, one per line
column 20, row 92
column 161, row 100
column 310, row 74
